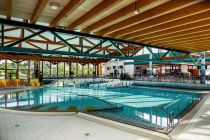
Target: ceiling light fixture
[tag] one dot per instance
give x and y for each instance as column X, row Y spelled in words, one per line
column 136, row 11
column 54, row 5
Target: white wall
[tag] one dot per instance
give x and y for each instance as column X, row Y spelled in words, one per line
column 126, row 68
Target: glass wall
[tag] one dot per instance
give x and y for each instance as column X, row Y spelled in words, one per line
column 46, row 69
column 2, row 69
column 23, row 70
column 12, row 70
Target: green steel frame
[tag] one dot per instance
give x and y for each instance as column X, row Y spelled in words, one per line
column 187, row 58
column 116, row 43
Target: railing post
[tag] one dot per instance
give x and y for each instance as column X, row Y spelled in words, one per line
column 167, row 121
column 156, row 118
column 178, row 110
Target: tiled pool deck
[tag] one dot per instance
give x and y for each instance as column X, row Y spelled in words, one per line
column 35, row 126
column 16, row 125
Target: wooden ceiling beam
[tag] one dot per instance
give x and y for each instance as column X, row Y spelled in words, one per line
column 147, row 15
column 117, row 15
column 188, row 36
column 188, row 39
column 205, row 41
column 189, row 47
column 189, row 44
column 166, row 26
column 193, row 47
column 177, row 31
column 178, row 35
column 172, row 31
column 38, row 10
column 172, row 16
column 8, row 9
column 101, row 7
column 69, row 8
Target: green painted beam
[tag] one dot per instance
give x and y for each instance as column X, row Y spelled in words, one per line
column 186, row 60
column 118, row 49
column 94, row 47
column 164, row 55
column 136, row 51
column 151, row 52
column 26, row 38
column 65, row 42
column 68, row 32
column 52, row 52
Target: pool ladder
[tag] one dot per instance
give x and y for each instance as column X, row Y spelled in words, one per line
column 170, row 118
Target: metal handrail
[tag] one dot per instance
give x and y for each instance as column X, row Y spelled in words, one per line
column 172, row 103
column 177, row 79
column 169, row 114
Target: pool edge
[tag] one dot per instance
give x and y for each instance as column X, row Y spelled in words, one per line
column 126, row 127
column 184, row 123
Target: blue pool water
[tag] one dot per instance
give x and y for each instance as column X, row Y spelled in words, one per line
column 130, row 105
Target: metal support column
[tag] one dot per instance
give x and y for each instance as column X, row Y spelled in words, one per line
column 150, row 66
column 203, row 69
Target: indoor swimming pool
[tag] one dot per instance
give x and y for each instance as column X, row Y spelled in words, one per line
column 144, row 107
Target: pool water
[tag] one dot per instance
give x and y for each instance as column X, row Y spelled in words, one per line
column 136, row 106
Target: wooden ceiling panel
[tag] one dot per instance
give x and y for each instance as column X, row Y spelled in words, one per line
column 182, row 34
column 176, row 30
column 110, row 11
column 181, row 10
column 23, row 9
column 188, row 38
column 170, row 25
column 142, row 17
column 194, row 47
column 202, row 41
column 48, row 14
column 38, row 10
column 69, row 8
column 101, row 7
column 80, row 11
column 118, row 14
